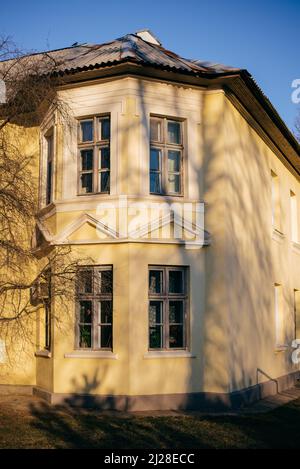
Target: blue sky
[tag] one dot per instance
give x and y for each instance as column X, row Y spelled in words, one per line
column 262, row 36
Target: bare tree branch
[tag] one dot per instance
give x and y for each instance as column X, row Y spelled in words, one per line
column 31, row 90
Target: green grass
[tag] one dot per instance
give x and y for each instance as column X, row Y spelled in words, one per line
column 30, row 423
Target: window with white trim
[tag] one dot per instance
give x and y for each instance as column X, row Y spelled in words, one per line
column 49, row 167
column 276, row 207
column 94, row 308
column 166, row 156
column 94, row 155
column 168, row 308
column 279, row 318
column 47, row 338
column 294, row 217
column 297, row 313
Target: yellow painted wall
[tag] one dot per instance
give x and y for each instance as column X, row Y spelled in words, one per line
column 18, row 366
column 228, row 166
column 258, row 256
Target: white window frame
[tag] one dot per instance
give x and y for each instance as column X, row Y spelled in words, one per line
column 279, row 316
column 294, row 217
column 165, row 297
column 164, row 146
column 95, row 298
column 276, row 203
column 96, row 145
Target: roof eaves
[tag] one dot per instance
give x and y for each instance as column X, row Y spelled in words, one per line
column 133, row 59
column 270, row 109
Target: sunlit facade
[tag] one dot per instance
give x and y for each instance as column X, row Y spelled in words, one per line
column 180, row 188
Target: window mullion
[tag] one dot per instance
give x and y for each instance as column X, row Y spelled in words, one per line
column 165, row 155
column 166, row 319
column 95, row 168
column 164, row 170
column 94, row 324
column 96, row 130
column 77, row 324
column 185, row 322
column 167, row 345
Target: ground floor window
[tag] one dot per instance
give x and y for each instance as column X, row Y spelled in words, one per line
column 279, row 318
column 168, row 307
column 94, row 306
column 47, row 340
column 297, row 313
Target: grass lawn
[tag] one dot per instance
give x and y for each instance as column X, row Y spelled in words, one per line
column 27, row 422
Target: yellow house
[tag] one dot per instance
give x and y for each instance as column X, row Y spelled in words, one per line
column 179, row 182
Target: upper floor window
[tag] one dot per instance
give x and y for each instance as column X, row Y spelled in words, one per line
column 297, row 313
column 276, row 210
column 94, row 155
column 168, row 307
column 49, row 167
column 166, row 156
column 294, row 217
column 279, row 318
column 94, row 307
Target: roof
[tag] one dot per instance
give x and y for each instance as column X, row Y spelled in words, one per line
column 132, row 47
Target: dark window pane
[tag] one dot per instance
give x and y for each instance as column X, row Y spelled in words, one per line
column 175, row 281
column 155, row 313
column 85, row 336
column 176, row 311
column 174, row 183
column 155, row 337
column 104, row 181
column 49, row 168
column 105, row 281
column 105, row 312
column 86, row 183
column 174, row 161
column 176, row 336
column 86, row 131
column 155, row 281
column 105, row 128
column 104, row 158
column 106, row 336
column 47, row 325
column 155, row 184
column 85, row 281
column 49, row 183
column 155, row 156
column 86, row 160
column 50, row 147
column 174, row 132
column 155, row 130
column 86, row 312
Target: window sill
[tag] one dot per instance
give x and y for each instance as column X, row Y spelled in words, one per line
column 43, row 354
column 89, row 194
column 281, row 348
column 169, row 354
column 91, row 354
column 296, row 247
column 156, row 194
column 277, row 235
column 45, row 209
